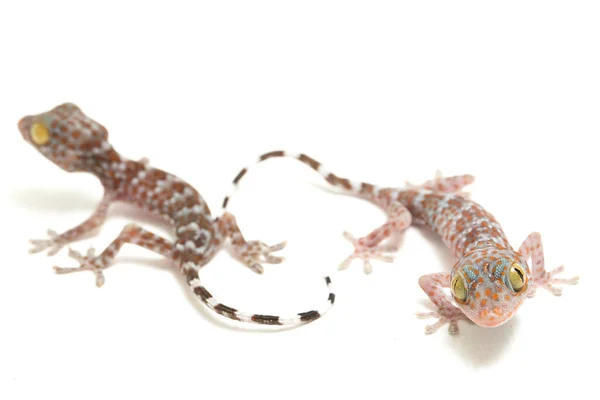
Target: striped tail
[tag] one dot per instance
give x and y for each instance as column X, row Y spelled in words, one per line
column 359, row 188
column 231, row 313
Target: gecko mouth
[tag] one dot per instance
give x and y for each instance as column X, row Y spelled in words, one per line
column 24, row 126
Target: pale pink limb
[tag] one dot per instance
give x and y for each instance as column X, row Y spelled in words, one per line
column 367, row 248
column 532, row 247
column 58, row 241
column 433, row 285
column 450, row 184
column 133, row 234
column 251, row 253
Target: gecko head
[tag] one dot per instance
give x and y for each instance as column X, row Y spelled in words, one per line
column 489, row 285
column 65, row 136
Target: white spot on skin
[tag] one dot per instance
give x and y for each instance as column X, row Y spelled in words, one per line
column 194, row 283
column 244, row 317
column 211, row 302
column 323, row 171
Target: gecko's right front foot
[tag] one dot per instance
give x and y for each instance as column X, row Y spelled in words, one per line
column 89, row 262
column 445, row 316
column 54, row 244
column 367, row 253
column 255, row 252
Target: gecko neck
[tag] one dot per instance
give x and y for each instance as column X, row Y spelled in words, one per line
column 108, row 166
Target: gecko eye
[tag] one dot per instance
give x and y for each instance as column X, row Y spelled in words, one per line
column 517, row 277
column 39, row 134
column 459, row 287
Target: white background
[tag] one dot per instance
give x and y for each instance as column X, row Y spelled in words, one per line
column 377, row 91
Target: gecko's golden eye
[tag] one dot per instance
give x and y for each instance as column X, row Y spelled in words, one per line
column 517, row 277
column 39, row 134
column 458, row 286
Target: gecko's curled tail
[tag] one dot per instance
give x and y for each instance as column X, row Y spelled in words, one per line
column 359, row 188
column 304, row 317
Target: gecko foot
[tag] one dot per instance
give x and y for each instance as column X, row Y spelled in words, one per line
column 450, row 184
column 445, row 316
column 367, row 253
column 54, row 244
column 89, row 262
column 255, row 252
column 548, row 280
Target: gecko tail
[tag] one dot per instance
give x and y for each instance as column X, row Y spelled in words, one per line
column 358, row 188
column 300, row 318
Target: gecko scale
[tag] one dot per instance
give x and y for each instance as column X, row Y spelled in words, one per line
column 489, row 281
column 76, row 143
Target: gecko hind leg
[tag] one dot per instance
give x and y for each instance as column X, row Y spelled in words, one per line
column 252, row 253
column 133, row 234
column 532, row 247
column 449, row 184
column 368, row 247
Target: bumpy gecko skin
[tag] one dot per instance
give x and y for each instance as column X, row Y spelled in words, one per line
column 489, row 281
column 76, row 143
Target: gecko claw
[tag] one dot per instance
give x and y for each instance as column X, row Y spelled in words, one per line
column 88, row 262
column 548, row 281
column 256, row 252
column 367, row 253
column 450, row 317
column 54, row 244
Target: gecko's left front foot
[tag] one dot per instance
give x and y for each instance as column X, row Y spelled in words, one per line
column 54, row 244
column 546, row 280
column 367, row 252
column 89, row 262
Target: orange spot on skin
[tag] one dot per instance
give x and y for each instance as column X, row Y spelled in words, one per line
column 476, row 271
column 498, row 311
column 495, row 296
column 480, row 280
column 488, row 292
column 483, row 302
column 477, row 295
column 483, row 313
column 507, row 297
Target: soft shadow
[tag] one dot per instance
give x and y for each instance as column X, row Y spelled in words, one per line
column 484, row 346
column 64, row 200
column 55, row 200
column 214, row 318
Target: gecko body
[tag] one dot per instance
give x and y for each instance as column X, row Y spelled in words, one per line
column 490, row 279
column 76, row 143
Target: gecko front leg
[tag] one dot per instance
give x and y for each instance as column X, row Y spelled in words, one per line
column 133, row 234
column 57, row 241
column 433, row 285
column 532, row 247
column 368, row 247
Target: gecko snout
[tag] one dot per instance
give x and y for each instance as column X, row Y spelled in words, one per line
column 24, row 124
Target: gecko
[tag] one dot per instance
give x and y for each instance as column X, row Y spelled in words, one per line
column 71, row 140
column 490, row 279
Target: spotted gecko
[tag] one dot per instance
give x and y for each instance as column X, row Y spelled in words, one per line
column 489, row 281
column 76, row 143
